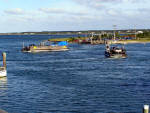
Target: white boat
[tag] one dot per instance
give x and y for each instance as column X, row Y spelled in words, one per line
column 3, row 72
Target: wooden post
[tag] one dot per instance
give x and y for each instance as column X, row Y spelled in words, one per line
column 4, row 59
column 146, row 109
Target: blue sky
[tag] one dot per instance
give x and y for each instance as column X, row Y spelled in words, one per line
column 66, row 15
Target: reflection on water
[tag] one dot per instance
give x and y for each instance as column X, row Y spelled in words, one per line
column 3, row 83
column 2, row 111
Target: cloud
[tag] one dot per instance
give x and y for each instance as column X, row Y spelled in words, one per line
column 61, row 11
column 104, row 1
column 52, row 10
column 103, row 4
column 79, row 15
column 144, row 10
column 90, row 3
column 16, row 11
column 112, row 12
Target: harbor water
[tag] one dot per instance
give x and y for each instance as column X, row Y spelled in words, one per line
column 80, row 80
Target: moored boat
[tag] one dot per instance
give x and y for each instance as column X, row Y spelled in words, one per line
column 3, row 72
column 115, row 52
column 46, row 46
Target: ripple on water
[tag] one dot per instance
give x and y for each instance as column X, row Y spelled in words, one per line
column 78, row 80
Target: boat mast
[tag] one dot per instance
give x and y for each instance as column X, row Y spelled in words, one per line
column 135, row 32
column 114, row 32
column 92, row 37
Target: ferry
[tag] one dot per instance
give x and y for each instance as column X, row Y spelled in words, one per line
column 3, row 71
column 46, row 46
column 115, row 52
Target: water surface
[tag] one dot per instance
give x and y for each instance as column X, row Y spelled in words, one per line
column 80, row 80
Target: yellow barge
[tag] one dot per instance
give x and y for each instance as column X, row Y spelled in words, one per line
column 59, row 46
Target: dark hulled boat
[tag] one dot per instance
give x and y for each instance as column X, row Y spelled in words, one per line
column 115, row 52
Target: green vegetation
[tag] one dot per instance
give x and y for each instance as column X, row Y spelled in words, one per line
column 140, row 38
column 145, row 34
column 70, row 39
column 59, row 39
column 143, row 39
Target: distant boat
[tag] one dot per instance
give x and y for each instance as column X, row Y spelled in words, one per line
column 3, row 71
column 115, row 52
column 46, row 46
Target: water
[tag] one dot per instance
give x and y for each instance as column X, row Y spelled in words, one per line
column 80, row 80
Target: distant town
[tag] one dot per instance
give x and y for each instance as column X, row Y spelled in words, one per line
column 129, row 31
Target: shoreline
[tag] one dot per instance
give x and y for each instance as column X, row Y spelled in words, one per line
column 130, row 41
column 71, row 40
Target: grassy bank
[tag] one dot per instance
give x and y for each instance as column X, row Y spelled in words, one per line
column 71, row 39
column 59, row 39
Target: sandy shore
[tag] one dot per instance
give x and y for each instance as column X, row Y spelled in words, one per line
column 129, row 41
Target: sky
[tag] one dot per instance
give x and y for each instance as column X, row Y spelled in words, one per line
column 73, row 15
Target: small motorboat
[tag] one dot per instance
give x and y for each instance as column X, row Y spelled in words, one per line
column 115, row 52
column 46, row 46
